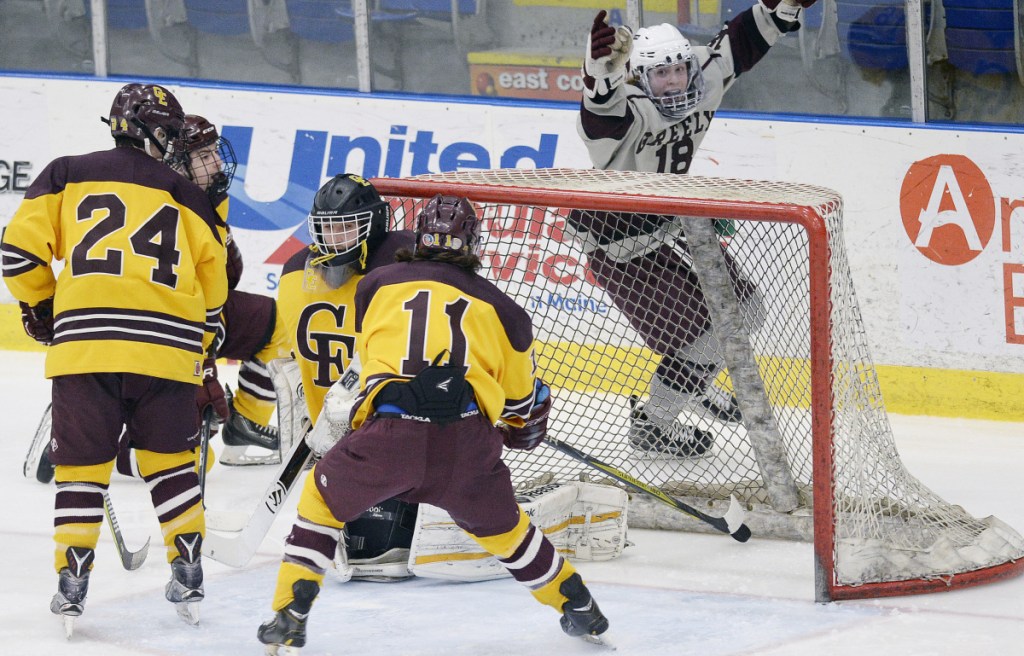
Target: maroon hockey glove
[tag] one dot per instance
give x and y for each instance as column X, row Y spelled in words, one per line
column 234, row 262
column 602, row 36
column 535, row 430
column 211, row 392
column 38, row 320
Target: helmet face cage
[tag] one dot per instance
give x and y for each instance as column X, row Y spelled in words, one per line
column 340, row 235
column 347, row 220
column 208, row 158
column 663, row 45
column 448, row 224
column 139, row 109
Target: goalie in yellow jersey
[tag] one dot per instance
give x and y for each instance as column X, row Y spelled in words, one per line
column 445, row 356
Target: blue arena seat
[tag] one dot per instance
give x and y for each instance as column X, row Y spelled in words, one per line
column 872, row 33
column 980, row 36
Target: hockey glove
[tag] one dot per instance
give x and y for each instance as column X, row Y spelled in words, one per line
column 211, row 392
column 535, row 429
column 234, row 262
column 787, row 10
column 608, row 48
column 38, row 320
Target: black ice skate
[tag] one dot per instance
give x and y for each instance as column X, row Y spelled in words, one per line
column 185, row 589
column 72, row 587
column 286, row 633
column 240, row 432
column 721, row 404
column 581, row 618
column 672, row 439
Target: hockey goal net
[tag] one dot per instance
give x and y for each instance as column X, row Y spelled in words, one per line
column 813, row 457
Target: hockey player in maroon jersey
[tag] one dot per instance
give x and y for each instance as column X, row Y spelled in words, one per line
column 647, row 104
column 128, row 321
column 445, row 356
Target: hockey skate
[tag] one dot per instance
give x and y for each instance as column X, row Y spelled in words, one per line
column 674, row 439
column 239, row 433
column 185, row 589
column 581, row 618
column 721, row 404
column 286, row 633
column 72, row 587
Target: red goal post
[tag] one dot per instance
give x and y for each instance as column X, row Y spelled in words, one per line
column 814, row 457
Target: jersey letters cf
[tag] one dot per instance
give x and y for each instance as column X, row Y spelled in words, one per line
column 409, row 313
column 320, row 319
column 143, row 278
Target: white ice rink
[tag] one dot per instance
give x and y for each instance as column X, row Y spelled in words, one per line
column 668, row 594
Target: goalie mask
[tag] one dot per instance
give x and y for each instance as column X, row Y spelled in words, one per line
column 208, row 158
column 347, row 222
column 147, row 113
column 448, row 224
column 667, row 69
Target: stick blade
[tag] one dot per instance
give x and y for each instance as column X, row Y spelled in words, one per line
column 734, row 518
column 133, row 560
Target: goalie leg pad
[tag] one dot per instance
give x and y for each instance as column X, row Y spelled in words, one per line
column 584, row 521
column 291, row 415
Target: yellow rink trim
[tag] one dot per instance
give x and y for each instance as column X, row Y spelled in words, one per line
column 585, row 367
column 905, row 390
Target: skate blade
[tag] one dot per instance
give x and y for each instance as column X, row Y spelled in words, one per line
column 238, row 456
column 69, row 625
column 188, row 611
column 599, row 641
column 281, row 650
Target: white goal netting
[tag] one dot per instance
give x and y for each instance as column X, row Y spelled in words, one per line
column 586, row 253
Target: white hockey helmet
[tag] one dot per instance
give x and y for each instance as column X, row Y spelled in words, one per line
column 663, row 45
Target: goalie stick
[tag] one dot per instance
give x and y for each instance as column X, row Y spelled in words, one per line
column 130, row 559
column 731, row 522
column 238, row 550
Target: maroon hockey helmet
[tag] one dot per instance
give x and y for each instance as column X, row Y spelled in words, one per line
column 448, row 224
column 139, row 109
column 199, row 133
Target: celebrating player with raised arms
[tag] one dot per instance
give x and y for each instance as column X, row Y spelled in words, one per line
column 649, row 100
column 445, row 355
column 128, row 321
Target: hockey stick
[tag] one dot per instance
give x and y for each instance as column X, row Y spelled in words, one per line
column 204, row 445
column 237, row 551
column 130, row 559
column 31, row 468
column 731, row 522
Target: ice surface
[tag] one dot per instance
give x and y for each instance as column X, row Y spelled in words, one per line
column 669, row 593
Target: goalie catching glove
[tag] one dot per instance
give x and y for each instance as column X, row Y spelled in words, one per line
column 536, row 427
column 608, row 48
column 38, row 320
column 787, row 10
